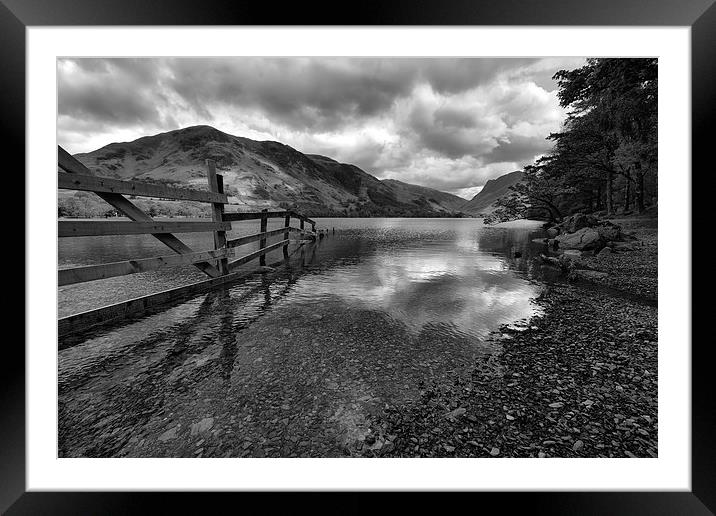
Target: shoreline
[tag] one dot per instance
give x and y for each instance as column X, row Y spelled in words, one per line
column 580, row 380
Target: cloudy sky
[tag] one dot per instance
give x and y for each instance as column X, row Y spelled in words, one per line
column 449, row 124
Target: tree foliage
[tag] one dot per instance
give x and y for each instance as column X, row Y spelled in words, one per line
column 605, row 156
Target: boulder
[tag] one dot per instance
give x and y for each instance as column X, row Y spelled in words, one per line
column 576, row 222
column 605, row 251
column 552, row 232
column 583, row 239
column 609, row 231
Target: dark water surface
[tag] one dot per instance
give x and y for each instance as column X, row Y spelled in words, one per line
column 291, row 362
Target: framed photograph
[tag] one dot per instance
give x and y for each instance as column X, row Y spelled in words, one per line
column 416, row 249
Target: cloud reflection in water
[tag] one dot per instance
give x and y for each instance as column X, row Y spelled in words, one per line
column 451, row 283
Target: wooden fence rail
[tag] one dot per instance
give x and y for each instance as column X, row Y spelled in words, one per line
column 85, row 183
column 72, row 228
column 214, row 263
column 234, row 242
column 238, row 216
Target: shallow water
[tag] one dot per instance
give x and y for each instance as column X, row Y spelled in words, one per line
column 291, row 363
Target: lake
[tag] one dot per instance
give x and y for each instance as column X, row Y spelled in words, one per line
column 290, row 363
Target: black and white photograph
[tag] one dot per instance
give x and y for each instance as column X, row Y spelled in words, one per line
column 357, row 257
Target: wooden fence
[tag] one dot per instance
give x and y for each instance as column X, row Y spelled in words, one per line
column 216, row 263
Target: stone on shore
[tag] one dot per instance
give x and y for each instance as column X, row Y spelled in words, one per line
column 576, row 222
column 609, row 231
column 585, row 232
column 583, row 240
column 456, row 413
column 202, row 426
column 168, row 435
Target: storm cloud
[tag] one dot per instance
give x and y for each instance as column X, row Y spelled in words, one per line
column 444, row 123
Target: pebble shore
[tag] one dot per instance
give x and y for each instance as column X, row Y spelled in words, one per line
column 578, row 381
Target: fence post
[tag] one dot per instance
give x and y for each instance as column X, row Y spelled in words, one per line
column 216, row 184
column 262, row 242
column 287, row 224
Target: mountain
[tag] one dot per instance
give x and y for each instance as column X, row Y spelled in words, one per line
column 437, row 200
column 482, row 203
column 264, row 174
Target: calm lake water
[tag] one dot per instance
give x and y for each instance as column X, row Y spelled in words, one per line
column 291, row 363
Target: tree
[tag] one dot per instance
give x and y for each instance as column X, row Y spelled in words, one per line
column 607, row 145
column 620, row 95
column 538, row 194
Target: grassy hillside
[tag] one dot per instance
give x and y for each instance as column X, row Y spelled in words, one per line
column 262, row 174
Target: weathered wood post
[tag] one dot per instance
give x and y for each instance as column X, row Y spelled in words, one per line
column 262, row 242
column 216, row 184
column 287, row 224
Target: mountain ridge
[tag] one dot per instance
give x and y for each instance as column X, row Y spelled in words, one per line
column 411, row 191
column 265, row 174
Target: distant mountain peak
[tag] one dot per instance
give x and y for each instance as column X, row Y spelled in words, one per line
column 482, row 203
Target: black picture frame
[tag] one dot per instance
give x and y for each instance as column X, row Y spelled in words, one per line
column 700, row 15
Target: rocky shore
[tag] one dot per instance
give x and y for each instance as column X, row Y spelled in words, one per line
column 578, row 381
column 620, row 254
